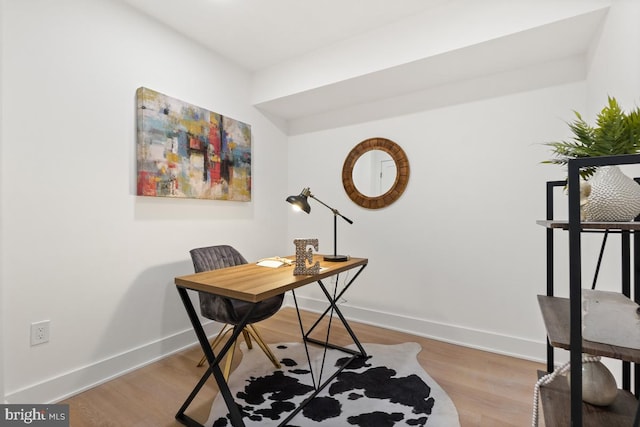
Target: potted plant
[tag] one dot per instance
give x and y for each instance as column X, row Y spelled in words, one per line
column 607, row 194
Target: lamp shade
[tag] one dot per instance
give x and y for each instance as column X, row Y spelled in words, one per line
column 300, row 201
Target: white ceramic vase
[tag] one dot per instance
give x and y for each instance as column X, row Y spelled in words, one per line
column 598, row 383
column 610, row 196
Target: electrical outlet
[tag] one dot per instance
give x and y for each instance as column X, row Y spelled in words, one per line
column 39, row 332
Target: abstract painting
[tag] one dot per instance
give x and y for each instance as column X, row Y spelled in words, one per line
column 185, row 151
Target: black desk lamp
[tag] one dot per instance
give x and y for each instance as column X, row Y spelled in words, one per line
column 300, row 201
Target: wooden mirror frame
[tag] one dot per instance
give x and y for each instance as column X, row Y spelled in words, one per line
column 402, row 173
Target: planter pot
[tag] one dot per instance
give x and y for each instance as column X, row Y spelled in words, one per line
column 610, row 195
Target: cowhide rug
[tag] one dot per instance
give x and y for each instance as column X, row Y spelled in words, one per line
column 389, row 388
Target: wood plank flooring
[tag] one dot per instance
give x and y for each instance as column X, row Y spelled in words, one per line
column 488, row 389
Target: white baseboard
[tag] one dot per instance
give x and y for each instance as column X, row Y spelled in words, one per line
column 68, row 384
column 84, row 378
column 474, row 338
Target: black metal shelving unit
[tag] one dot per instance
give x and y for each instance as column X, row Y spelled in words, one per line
column 563, row 317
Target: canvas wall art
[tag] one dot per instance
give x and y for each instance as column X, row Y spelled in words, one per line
column 189, row 152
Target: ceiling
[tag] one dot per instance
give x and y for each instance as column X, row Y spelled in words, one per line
column 266, row 36
column 260, row 33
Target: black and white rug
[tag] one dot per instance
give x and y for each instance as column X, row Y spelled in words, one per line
column 389, row 388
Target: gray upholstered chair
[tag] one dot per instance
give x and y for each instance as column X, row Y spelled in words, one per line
column 230, row 311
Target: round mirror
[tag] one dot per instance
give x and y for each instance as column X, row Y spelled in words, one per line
column 375, row 173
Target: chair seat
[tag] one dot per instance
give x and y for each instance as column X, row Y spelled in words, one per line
column 231, row 311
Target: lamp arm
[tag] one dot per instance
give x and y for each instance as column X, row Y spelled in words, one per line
column 335, row 211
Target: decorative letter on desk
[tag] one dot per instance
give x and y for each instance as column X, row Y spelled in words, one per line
column 303, row 255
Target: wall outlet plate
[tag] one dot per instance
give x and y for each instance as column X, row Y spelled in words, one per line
column 40, row 332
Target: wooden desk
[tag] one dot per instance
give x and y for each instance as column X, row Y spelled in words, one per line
column 254, row 283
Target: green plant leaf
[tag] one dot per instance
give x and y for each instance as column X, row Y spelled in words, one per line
column 615, row 133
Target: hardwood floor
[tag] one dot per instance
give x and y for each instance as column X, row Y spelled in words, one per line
column 487, row 389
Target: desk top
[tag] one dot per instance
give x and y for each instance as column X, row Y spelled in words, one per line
column 254, row 283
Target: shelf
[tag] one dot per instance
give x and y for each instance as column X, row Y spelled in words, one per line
column 555, row 398
column 564, row 319
column 555, row 313
column 564, row 225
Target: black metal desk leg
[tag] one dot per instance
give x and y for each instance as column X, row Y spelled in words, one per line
column 338, row 297
column 214, row 365
column 332, row 301
column 319, row 385
column 333, row 306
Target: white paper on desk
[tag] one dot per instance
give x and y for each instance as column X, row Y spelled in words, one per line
column 272, row 263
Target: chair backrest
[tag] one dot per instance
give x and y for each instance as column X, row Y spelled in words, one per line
column 209, row 258
column 227, row 310
column 215, row 257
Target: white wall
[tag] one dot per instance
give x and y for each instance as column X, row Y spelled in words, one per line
column 615, row 59
column 78, row 247
column 2, row 299
column 459, row 257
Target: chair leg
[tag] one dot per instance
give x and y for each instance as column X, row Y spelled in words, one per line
column 247, row 338
column 229, row 360
column 258, row 339
column 223, row 332
column 248, row 332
